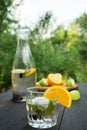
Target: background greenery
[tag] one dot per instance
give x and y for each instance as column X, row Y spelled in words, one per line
column 63, row 51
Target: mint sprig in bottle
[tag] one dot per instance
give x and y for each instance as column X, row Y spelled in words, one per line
column 23, row 73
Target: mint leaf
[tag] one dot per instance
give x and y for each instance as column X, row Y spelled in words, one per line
column 50, row 108
column 42, row 111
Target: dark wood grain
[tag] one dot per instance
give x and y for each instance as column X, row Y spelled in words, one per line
column 75, row 118
column 6, row 96
column 13, row 117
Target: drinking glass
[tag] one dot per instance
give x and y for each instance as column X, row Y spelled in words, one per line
column 41, row 112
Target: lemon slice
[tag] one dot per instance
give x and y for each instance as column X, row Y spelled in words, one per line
column 29, row 72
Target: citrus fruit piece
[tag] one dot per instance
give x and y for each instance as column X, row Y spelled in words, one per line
column 61, row 93
column 43, row 82
column 29, row 72
column 75, row 94
column 54, row 79
column 70, row 82
column 38, row 84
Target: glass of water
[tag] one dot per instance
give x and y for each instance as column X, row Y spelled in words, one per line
column 41, row 112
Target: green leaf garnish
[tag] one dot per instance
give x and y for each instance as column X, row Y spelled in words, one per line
column 41, row 110
column 50, row 108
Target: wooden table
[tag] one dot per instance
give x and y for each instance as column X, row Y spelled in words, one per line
column 13, row 115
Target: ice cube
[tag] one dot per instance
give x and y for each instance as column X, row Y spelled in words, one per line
column 40, row 101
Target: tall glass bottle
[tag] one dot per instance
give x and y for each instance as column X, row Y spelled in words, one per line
column 24, row 72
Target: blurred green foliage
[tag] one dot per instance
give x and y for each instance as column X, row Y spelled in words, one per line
column 63, row 51
column 7, row 50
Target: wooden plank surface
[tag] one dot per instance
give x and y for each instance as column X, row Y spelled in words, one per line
column 6, row 96
column 75, row 118
column 13, row 117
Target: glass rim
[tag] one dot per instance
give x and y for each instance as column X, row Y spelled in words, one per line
column 33, row 90
column 40, row 89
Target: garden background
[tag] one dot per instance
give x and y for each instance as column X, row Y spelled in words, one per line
column 63, row 51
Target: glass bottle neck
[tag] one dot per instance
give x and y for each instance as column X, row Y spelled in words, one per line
column 23, row 57
column 21, row 43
